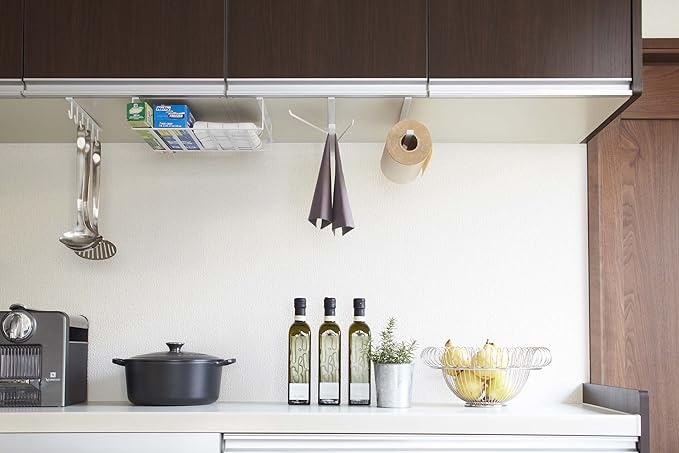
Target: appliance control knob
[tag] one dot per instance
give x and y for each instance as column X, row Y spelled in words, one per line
column 18, row 326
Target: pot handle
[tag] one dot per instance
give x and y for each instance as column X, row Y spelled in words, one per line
column 120, row 362
column 225, row 362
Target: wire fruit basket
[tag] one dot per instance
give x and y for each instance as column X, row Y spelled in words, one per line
column 489, row 376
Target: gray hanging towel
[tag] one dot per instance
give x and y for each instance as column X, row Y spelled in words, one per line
column 341, row 211
column 321, row 206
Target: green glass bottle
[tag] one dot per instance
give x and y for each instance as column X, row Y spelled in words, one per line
column 299, row 357
column 359, row 361
column 329, row 359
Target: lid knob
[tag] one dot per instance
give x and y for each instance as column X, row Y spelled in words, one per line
column 174, row 347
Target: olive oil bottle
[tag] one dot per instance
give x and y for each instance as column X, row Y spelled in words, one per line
column 299, row 357
column 329, row 359
column 359, row 361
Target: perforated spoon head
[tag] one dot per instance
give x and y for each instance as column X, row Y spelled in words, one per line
column 102, row 251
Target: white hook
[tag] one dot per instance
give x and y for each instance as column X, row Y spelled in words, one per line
column 70, row 110
column 405, row 108
column 345, row 130
column 299, row 118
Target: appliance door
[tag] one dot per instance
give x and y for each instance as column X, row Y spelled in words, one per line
column 112, row 442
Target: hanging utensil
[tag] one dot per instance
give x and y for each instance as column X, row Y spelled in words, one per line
column 81, row 237
column 104, row 249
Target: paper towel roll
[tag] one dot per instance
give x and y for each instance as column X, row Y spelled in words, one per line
column 407, row 151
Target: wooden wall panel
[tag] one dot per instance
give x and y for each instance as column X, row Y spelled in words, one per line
column 634, row 268
column 660, row 99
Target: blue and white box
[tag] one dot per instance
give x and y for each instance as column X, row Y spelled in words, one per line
column 172, row 116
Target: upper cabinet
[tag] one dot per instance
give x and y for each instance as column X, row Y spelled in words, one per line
column 11, row 30
column 596, row 41
column 340, row 42
column 530, row 38
column 154, row 42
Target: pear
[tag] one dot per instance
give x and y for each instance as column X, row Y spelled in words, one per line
column 455, row 357
column 469, row 386
column 499, row 388
column 490, row 356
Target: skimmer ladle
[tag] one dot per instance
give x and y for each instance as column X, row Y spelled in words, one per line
column 81, row 237
column 103, row 249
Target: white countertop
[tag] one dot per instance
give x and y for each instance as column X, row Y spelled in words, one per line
column 277, row 418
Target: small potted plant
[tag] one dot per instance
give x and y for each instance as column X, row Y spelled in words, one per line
column 394, row 365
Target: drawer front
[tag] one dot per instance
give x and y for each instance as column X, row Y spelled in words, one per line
column 426, row 443
column 111, row 443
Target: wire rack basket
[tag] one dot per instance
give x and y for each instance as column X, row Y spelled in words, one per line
column 488, row 376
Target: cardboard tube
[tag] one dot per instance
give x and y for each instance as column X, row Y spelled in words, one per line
column 407, row 151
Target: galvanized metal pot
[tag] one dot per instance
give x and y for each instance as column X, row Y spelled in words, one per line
column 394, row 384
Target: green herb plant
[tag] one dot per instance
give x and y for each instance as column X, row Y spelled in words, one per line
column 389, row 351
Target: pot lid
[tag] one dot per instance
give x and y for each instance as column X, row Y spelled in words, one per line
column 175, row 354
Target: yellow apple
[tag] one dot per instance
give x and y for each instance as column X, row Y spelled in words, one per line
column 469, row 386
column 490, row 356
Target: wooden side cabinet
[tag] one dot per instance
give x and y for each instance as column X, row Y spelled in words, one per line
column 11, row 42
column 531, row 38
column 327, row 39
column 124, row 39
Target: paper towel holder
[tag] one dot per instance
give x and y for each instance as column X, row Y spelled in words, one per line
column 409, row 141
column 332, row 125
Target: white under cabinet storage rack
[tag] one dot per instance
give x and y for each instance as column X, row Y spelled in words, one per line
column 241, row 137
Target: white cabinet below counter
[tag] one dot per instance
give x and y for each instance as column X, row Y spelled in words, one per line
column 111, row 443
column 427, row 443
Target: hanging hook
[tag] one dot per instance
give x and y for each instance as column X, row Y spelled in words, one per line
column 299, row 118
column 332, row 125
column 346, row 130
column 405, row 110
column 70, row 110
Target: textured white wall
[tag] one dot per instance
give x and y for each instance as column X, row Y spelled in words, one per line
column 213, row 248
column 660, row 18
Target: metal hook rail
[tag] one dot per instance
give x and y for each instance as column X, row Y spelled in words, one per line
column 80, row 116
column 332, row 125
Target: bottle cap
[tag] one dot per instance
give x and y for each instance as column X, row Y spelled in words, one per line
column 359, row 306
column 300, row 306
column 329, row 303
column 300, row 302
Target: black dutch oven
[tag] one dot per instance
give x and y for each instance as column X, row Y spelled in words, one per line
column 173, row 378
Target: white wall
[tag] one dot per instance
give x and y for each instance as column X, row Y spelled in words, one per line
column 491, row 243
column 660, row 18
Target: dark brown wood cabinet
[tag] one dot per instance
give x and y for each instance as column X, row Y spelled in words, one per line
column 531, row 38
column 327, row 39
column 11, row 31
column 124, row 39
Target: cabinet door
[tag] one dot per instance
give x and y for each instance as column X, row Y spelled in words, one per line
column 111, row 442
column 82, row 39
column 530, row 38
column 326, row 39
column 10, row 39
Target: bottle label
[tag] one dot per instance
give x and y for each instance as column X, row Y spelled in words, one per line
column 359, row 392
column 299, row 392
column 359, row 361
column 328, row 391
column 329, row 358
column 300, row 359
